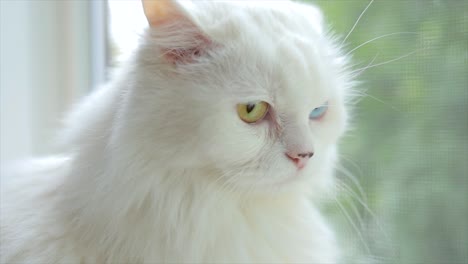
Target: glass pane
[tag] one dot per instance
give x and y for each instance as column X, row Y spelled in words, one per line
column 409, row 145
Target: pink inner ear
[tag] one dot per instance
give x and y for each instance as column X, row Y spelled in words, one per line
column 188, row 54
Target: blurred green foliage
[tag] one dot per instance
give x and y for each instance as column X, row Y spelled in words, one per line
column 409, row 145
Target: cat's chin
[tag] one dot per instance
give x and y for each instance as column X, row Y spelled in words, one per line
column 295, row 177
column 285, row 181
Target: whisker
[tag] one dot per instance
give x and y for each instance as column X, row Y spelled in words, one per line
column 353, row 194
column 389, row 61
column 356, row 212
column 362, row 202
column 377, row 38
column 354, row 180
column 350, row 220
column 357, row 21
column 373, row 216
column 381, row 101
column 370, row 63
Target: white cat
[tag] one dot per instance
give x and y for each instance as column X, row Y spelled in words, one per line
column 208, row 147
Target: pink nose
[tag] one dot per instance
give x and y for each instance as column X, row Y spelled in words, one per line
column 299, row 159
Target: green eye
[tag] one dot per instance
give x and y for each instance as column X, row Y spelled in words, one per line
column 252, row 112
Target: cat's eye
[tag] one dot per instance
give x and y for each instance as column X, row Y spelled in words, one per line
column 252, row 112
column 318, row 112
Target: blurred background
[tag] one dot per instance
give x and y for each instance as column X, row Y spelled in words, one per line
column 403, row 180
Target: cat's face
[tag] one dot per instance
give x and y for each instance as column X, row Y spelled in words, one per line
column 189, row 106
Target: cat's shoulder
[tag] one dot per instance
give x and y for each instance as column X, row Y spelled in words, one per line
column 29, row 232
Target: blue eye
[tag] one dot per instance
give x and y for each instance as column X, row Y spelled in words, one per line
column 318, row 112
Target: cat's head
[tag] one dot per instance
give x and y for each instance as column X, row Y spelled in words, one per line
column 254, row 92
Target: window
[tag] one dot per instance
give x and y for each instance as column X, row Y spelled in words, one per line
column 52, row 53
column 126, row 23
column 403, row 186
column 409, row 146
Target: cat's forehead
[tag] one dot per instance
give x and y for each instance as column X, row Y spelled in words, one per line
column 284, row 76
column 275, row 49
column 256, row 17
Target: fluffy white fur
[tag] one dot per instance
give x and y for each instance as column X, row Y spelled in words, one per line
column 158, row 167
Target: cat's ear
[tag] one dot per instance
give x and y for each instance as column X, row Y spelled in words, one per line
column 181, row 40
column 158, row 12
